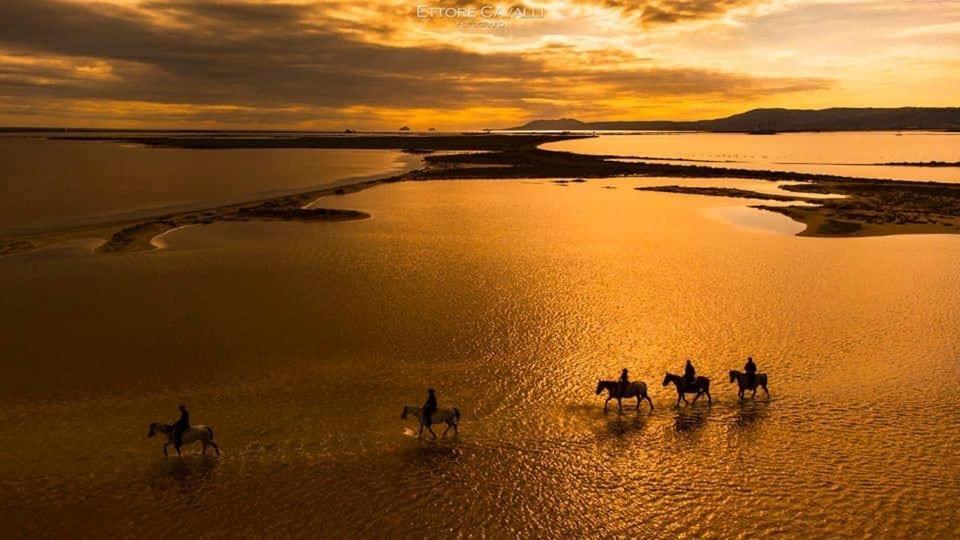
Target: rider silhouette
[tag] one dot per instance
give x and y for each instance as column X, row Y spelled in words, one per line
column 624, row 381
column 751, row 370
column 429, row 407
column 689, row 374
column 180, row 426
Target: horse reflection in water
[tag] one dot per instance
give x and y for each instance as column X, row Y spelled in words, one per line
column 751, row 413
column 690, row 420
column 636, row 389
column 183, row 477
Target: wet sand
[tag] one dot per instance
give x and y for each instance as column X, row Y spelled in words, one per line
column 869, row 207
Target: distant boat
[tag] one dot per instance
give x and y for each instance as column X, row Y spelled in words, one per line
column 432, row 129
column 404, row 128
column 349, row 131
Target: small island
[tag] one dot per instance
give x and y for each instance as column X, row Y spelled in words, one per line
column 868, row 207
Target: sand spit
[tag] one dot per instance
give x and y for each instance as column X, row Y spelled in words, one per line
column 869, row 208
column 138, row 235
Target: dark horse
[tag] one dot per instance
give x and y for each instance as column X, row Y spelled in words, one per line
column 700, row 386
column 636, row 389
column 760, row 379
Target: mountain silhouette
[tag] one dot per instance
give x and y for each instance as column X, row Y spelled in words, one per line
column 770, row 120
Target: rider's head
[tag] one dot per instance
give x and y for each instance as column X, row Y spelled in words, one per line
column 183, row 407
column 430, row 390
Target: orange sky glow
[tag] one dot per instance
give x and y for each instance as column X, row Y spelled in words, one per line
column 337, row 64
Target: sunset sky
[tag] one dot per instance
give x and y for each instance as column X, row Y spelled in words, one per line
column 376, row 65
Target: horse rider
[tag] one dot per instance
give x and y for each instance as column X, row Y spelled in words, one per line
column 624, row 381
column 689, row 375
column 751, row 369
column 429, row 407
column 181, row 426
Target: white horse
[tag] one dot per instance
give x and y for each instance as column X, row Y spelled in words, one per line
column 201, row 434
column 450, row 417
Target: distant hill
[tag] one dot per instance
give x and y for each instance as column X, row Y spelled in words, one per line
column 774, row 120
column 558, row 124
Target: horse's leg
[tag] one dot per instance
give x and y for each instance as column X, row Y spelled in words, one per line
column 606, row 402
column 165, row 445
column 444, row 436
column 216, row 447
column 709, row 398
column 430, row 429
column 204, row 452
column 420, row 433
column 639, row 399
column 696, row 397
column 650, row 401
column 766, row 391
column 620, row 405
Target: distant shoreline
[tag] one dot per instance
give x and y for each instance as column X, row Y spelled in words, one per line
column 779, row 120
column 869, row 207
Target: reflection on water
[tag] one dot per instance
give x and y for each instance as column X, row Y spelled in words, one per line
column 691, row 418
column 54, row 183
column 839, row 153
column 751, row 412
column 182, row 475
column 300, row 343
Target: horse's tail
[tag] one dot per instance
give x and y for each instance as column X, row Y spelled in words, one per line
column 456, row 415
column 210, row 431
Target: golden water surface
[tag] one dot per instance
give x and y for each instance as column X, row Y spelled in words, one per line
column 51, row 183
column 859, row 154
column 300, row 343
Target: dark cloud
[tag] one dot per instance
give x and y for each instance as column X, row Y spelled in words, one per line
column 671, row 11
column 276, row 56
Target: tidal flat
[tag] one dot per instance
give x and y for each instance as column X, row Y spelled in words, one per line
column 868, row 207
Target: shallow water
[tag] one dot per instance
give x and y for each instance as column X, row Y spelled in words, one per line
column 47, row 183
column 300, row 343
column 838, row 153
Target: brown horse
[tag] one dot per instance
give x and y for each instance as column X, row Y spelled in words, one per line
column 700, row 386
column 760, row 379
column 635, row 389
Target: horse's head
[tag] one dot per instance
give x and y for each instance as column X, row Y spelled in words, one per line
column 403, row 415
column 599, row 386
column 666, row 378
column 158, row 427
column 733, row 375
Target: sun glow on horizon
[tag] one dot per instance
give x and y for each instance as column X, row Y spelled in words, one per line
column 327, row 64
